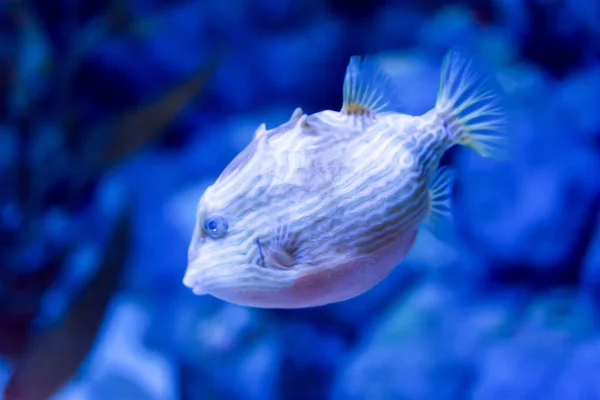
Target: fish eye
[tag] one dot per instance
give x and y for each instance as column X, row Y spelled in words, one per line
column 215, row 227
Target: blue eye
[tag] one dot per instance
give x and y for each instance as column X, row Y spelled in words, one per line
column 215, row 227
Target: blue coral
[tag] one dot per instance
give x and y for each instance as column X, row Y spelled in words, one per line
column 511, row 315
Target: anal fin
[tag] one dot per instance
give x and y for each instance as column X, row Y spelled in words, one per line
column 440, row 221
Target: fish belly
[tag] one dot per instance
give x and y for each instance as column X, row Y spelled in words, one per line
column 336, row 282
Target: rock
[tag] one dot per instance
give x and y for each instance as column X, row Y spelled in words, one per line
column 287, row 67
column 529, row 362
column 423, row 348
column 116, row 385
column 514, row 212
column 237, row 84
column 393, row 27
column 561, row 48
column 214, row 341
column 4, row 373
column 9, row 145
column 280, row 15
column 579, row 379
column 590, row 279
column 78, row 268
column 518, row 370
column 295, row 63
column 11, row 218
column 152, row 179
column 450, row 27
column 118, row 71
column 496, row 46
column 526, row 87
column 121, row 367
column 576, row 97
column 310, row 353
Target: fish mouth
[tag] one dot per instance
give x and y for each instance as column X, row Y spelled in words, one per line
column 191, row 281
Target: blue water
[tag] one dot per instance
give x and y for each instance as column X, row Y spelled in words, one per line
column 510, row 314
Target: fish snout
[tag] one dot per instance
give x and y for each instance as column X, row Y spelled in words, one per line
column 192, row 281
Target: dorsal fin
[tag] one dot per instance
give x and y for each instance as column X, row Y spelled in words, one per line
column 367, row 89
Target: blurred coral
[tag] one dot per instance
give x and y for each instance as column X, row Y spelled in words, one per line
column 117, row 115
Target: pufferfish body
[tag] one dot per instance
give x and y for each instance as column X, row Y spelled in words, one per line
column 323, row 207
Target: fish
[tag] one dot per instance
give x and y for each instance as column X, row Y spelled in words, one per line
column 323, row 207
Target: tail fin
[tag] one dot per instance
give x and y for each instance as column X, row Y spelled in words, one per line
column 471, row 108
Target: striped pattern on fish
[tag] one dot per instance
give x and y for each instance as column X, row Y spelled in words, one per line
column 324, row 206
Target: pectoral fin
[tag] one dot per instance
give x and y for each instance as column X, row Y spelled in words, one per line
column 279, row 251
column 275, row 256
column 279, row 257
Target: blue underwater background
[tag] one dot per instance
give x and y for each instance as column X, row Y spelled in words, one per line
column 116, row 115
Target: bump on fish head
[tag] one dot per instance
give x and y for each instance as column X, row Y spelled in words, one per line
column 224, row 256
column 235, row 214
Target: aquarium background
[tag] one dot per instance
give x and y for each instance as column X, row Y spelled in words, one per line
column 116, row 115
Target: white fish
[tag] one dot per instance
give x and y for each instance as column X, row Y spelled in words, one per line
column 323, row 207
